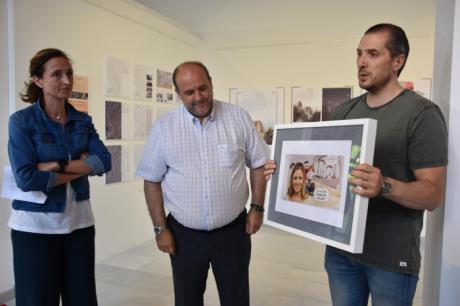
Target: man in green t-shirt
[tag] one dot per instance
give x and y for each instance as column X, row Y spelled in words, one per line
column 407, row 177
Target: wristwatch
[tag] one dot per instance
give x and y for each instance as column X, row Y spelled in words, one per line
column 257, row 208
column 159, row 229
column 386, row 186
column 62, row 164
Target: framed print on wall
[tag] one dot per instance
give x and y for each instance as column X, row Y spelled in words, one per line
column 333, row 98
column 306, row 104
column 309, row 193
column 266, row 108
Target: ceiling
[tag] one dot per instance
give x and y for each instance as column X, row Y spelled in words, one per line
column 249, row 22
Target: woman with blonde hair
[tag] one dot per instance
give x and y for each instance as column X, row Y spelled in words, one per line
column 296, row 189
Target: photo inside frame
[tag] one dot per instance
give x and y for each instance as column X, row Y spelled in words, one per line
column 313, row 180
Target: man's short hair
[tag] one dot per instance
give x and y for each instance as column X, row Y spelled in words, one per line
column 397, row 43
column 199, row 64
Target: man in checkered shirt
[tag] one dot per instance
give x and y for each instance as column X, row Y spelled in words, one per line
column 194, row 164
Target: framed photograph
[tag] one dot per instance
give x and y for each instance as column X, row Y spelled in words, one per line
column 333, row 98
column 306, row 104
column 309, row 193
column 266, row 108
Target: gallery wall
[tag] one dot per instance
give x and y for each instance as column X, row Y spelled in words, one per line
column 327, row 63
column 89, row 31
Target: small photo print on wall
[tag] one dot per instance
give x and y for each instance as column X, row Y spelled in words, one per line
column 116, row 120
column 265, row 108
column 306, row 104
column 164, row 96
column 121, row 164
column 332, row 98
column 79, row 96
column 165, row 89
column 117, row 78
column 164, row 79
column 142, row 82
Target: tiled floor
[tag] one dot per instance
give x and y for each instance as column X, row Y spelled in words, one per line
column 286, row 270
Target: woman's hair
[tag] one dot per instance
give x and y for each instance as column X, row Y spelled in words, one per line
column 32, row 92
column 295, row 167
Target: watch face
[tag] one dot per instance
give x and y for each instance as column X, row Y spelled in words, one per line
column 159, row 229
column 386, row 187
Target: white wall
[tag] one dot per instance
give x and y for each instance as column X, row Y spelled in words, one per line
column 88, row 31
column 326, row 63
column 6, row 267
column 436, row 243
column 450, row 260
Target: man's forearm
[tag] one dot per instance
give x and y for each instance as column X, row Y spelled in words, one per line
column 426, row 192
column 258, row 185
column 420, row 194
column 154, row 198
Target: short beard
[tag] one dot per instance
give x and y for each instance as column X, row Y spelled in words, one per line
column 206, row 115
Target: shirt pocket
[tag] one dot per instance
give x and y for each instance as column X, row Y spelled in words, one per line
column 78, row 141
column 46, row 146
column 229, row 156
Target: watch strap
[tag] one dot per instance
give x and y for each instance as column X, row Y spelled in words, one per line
column 386, row 186
column 62, row 164
column 159, row 229
column 257, row 208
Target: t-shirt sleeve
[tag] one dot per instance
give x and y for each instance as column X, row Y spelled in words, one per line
column 428, row 139
column 152, row 166
column 256, row 149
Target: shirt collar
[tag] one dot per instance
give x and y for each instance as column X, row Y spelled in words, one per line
column 211, row 117
column 72, row 113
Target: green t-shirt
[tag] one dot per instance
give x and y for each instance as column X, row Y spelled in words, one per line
column 411, row 134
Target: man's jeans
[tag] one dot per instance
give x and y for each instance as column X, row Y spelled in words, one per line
column 350, row 283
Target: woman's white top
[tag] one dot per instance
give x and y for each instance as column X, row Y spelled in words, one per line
column 75, row 216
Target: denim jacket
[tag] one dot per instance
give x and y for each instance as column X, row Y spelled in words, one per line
column 35, row 138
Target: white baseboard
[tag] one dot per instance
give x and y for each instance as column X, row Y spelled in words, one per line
column 7, row 296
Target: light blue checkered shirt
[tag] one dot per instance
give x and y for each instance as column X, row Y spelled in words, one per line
column 202, row 167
